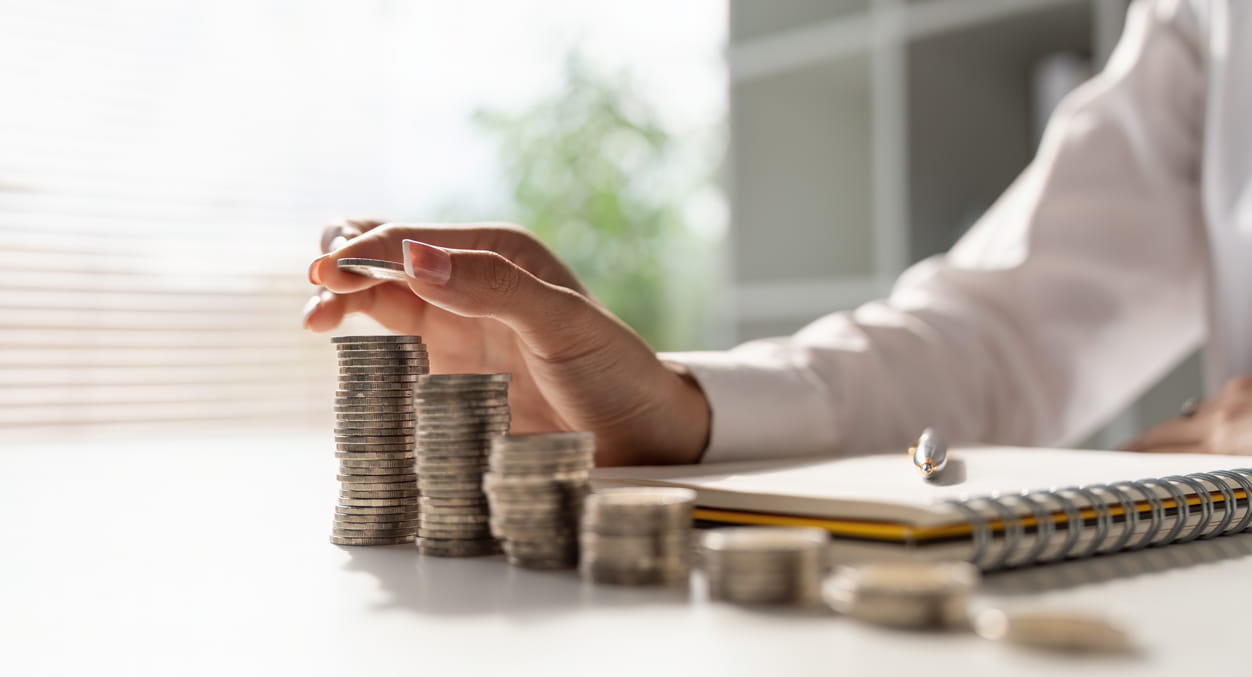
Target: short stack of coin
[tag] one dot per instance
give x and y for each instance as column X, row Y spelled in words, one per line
column 904, row 594
column 375, row 433
column 536, row 489
column 637, row 536
column 765, row 565
column 458, row 416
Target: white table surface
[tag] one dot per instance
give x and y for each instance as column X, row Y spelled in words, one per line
column 210, row 557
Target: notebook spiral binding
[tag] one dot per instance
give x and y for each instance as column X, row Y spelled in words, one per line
column 1014, row 548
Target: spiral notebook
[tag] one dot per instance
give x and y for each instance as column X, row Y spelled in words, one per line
column 998, row 507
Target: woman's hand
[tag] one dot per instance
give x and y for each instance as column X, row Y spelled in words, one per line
column 491, row 298
column 1221, row 425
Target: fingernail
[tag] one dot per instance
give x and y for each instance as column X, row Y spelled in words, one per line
column 427, row 263
column 315, row 275
column 310, row 307
column 338, row 243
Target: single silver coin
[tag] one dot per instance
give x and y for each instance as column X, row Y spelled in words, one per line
column 468, row 406
column 376, row 377
column 376, row 439
column 377, row 455
column 456, row 379
column 394, row 493
column 413, row 370
column 401, row 395
column 346, row 464
column 1067, row 631
column 380, row 511
column 358, row 446
column 379, row 338
column 400, row 540
column 390, row 411
column 377, row 502
column 383, row 363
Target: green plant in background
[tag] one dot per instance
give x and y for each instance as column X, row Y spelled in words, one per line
column 594, row 173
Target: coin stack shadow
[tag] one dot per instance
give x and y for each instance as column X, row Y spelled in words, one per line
column 375, row 428
column 637, row 535
column 457, row 417
column 765, row 565
column 536, row 489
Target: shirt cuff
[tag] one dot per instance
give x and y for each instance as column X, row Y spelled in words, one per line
column 760, row 410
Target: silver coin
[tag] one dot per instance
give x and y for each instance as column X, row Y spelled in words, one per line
column 347, row 463
column 577, row 440
column 392, row 411
column 434, row 502
column 381, row 511
column 375, row 428
column 380, row 371
column 407, row 474
column 454, row 519
column 357, row 446
column 402, row 395
column 394, row 493
column 376, row 439
column 376, row 377
column 379, row 482
column 402, row 540
column 375, row 388
column 378, row 521
column 379, row 346
column 377, row 502
column 458, row 421
column 380, row 338
column 390, row 471
column 450, row 493
column 466, row 534
column 456, row 379
column 439, row 548
column 379, row 270
column 904, row 594
column 491, row 405
column 1071, row 631
column 406, row 454
column 391, row 362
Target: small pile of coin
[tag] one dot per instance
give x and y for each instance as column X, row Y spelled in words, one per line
column 375, row 428
column 765, row 565
column 458, row 415
column 637, row 536
column 536, row 489
column 904, row 594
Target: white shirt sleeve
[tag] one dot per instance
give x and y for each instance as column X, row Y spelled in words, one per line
column 1073, row 294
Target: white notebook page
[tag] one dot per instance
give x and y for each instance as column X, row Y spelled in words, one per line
column 887, row 487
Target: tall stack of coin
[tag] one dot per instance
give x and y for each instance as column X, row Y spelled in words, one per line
column 637, row 535
column 458, row 415
column 765, row 565
column 374, row 438
column 536, row 489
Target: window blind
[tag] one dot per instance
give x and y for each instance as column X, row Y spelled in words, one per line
column 165, row 168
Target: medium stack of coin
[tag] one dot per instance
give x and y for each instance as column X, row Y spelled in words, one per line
column 765, row 565
column 458, row 416
column 375, row 433
column 904, row 594
column 637, row 536
column 536, row 489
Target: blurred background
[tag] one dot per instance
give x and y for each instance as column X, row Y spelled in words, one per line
column 716, row 171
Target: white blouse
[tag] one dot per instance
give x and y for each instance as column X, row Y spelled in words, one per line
column 1088, row 279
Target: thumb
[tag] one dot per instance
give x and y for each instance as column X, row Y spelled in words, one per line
column 554, row 322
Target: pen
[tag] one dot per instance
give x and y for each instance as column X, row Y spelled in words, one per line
column 929, row 453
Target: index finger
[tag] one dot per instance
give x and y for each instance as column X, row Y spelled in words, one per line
column 347, row 229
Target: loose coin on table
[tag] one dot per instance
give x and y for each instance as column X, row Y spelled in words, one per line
column 765, row 565
column 1052, row 630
